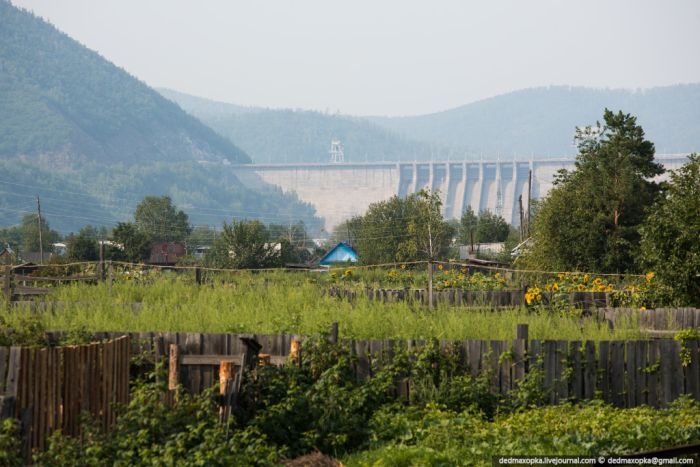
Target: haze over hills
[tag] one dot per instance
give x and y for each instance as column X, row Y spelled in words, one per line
column 73, row 126
column 542, row 121
column 59, row 96
column 537, row 122
column 291, row 136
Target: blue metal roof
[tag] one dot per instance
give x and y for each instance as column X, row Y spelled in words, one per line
column 341, row 253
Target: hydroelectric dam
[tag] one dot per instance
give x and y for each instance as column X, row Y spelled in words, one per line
column 341, row 190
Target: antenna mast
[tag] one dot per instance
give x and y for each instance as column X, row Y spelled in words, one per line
column 336, row 151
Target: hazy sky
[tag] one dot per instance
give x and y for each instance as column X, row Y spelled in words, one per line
column 378, row 57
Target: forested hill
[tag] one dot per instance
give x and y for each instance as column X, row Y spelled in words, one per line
column 66, row 103
column 289, row 136
column 542, row 121
column 92, row 141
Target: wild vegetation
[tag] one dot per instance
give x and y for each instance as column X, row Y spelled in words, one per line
column 284, row 412
column 295, row 303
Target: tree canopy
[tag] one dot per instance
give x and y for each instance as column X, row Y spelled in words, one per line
column 590, row 220
column 84, row 246
column 245, row 244
column 671, row 235
column 401, row 229
column 160, row 220
column 135, row 243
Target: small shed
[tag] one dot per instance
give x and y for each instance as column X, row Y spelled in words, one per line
column 341, row 253
column 166, row 253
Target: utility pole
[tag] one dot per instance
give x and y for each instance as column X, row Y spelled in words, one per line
column 522, row 215
column 430, row 253
column 41, row 243
column 529, row 201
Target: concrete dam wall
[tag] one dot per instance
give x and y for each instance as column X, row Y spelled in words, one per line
column 340, row 191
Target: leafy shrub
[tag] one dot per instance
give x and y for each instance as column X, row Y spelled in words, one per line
column 150, row 431
column 10, row 449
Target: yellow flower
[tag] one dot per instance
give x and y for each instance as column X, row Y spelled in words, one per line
column 585, row 278
column 403, row 266
column 528, row 297
column 440, row 267
column 555, row 287
column 649, row 276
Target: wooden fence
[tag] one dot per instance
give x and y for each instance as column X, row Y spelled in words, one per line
column 587, row 301
column 659, row 319
column 18, row 284
column 48, row 389
column 623, row 373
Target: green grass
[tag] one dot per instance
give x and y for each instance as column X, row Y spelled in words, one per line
column 272, row 303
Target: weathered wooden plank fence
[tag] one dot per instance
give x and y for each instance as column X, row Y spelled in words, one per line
column 19, row 286
column 659, row 319
column 48, row 389
column 588, row 301
column 623, row 373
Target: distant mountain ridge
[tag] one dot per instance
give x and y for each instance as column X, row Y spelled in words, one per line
column 63, row 99
column 542, row 121
column 538, row 122
column 292, row 136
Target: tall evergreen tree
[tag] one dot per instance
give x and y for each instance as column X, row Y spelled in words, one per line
column 590, row 220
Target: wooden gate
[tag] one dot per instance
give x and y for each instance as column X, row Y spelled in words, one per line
column 48, row 389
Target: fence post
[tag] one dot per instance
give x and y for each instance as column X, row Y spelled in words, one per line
column 333, row 337
column 101, row 267
column 250, row 356
column 520, row 354
column 521, row 331
column 295, row 351
column 7, row 284
column 109, row 276
column 198, row 275
column 173, row 367
column 226, row 389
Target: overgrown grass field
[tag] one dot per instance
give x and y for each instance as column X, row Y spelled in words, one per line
column 291, row 303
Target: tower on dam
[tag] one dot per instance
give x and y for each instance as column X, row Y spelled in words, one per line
column 341, row 190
